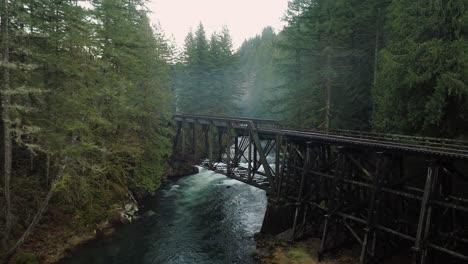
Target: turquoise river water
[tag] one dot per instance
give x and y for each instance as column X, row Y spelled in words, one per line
column 203, row 218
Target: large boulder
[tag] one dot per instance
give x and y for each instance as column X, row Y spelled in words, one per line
column 125, row 214
column 180, row 168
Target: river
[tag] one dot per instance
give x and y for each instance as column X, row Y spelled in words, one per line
column 203, row 218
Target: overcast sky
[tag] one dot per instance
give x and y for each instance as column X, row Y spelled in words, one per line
column 244, row 18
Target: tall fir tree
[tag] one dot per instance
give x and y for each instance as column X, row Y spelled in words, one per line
column 259, row 79
column 207, row 79
column 422, row 81
column 327, row 54
column 90, row 98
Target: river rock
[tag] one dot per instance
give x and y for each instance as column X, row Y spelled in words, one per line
column 126, row 214
column 178, row 168
column 104, row 229
column 149, row 213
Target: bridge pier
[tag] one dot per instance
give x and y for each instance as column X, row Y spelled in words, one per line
column 194, row 141
column 278, row 217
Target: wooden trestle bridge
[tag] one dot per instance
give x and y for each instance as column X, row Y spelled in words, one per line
column 391, row 194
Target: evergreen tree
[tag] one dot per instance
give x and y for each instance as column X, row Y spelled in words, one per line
column 224, row 75
column 259, row 77
column 207, row 79
column 196, row 84
column 89, row 100
column 327, row 56
column 422, row 81
column 6, row 117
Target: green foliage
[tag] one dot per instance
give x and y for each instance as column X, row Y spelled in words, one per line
column 149, row 169
column 91, row 88
column 206, row 80
column 423, row 82
column 91, row 91
column 24, row 258
column 326, row 58
column 395, row 66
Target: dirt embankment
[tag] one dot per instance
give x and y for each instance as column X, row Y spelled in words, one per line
column 278, row 250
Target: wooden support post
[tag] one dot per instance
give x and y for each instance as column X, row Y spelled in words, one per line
column 299, row 202
column 194, row 140
column 176, row 139
column 249, row 165
column 321, row 252
column 206, row 131
column 281, row 177
column 210, row 143
column 370, row 232
column 236, row 150
column 183, row 137
column 263, row 159
column 228, row 150
column 220, row 145
column 277, row 162
column 425, row 215
column 304, row 219
column 228, row 160
column 334, row 200
column 255, row 159
column 277, row 155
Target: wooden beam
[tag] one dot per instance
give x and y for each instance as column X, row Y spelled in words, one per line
column 263, row 159
column 176, row 139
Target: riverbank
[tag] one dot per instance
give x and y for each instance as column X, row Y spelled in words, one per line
column 278, row 250
column 59, row 234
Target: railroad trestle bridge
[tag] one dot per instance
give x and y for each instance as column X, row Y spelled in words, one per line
column 390, row 194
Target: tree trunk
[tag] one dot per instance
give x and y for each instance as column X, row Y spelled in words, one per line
column 376, row 52
column 31, row 162
column 5, row 104
column 38, row 215
column 328, row 84
column 47, row 169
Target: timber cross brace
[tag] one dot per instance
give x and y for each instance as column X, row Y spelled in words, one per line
column 388, row 194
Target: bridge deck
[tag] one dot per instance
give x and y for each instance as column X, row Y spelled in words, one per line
column 390, row 142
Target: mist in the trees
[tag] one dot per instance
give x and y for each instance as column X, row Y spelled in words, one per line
column 88, row 89
column 260, row 78
column 206, row 79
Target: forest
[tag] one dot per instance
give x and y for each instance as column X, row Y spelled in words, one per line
column 88, row 89
column 390, row 66
column 85, row 103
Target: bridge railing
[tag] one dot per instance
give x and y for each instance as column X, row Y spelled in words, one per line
column 434, row 144
column 263, row 123
column 429, row 145
column 388, row 137
column 426, row 141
